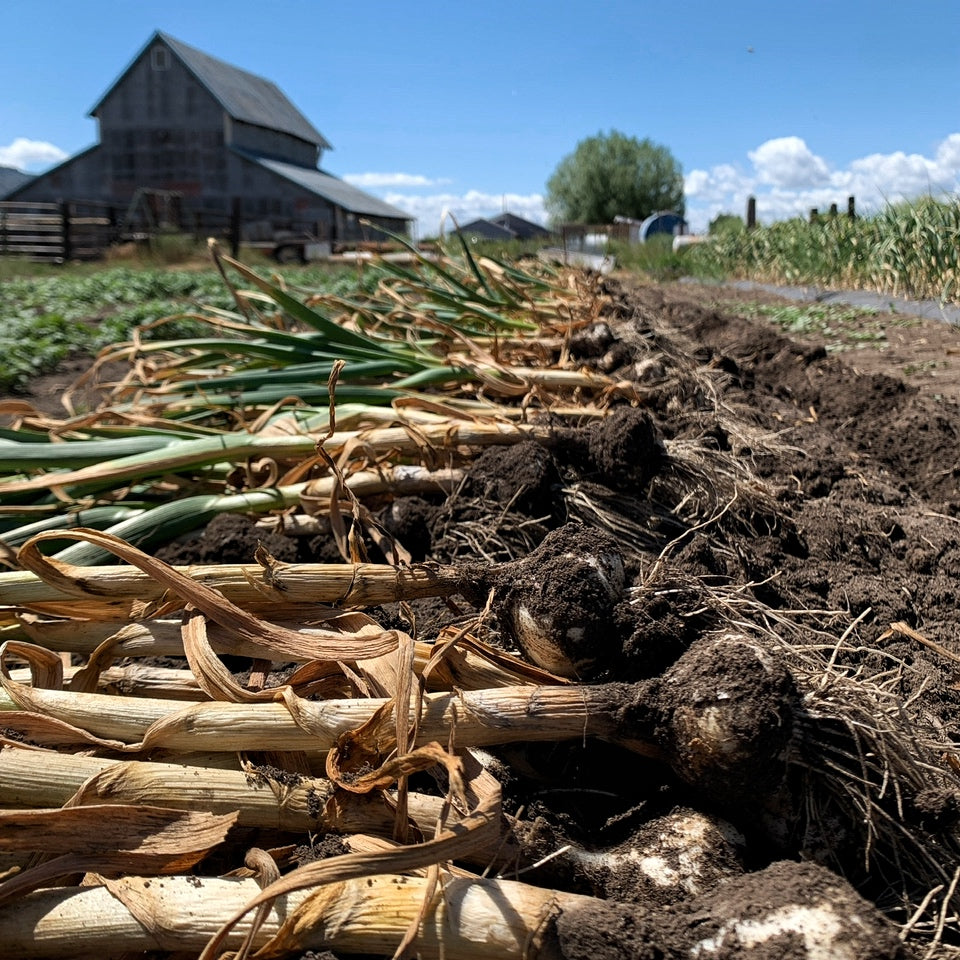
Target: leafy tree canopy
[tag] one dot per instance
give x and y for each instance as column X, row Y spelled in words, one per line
column 726, row 223
column 613, row 175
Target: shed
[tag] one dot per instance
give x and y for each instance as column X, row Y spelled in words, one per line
column 11, row 178
column 482, row 229
column 504, row 226
column 521, row 228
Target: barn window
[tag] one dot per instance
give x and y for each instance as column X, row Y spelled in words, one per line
column 161, row 59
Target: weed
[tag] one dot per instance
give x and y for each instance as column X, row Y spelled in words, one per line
column 922, row 367
column 841, row 327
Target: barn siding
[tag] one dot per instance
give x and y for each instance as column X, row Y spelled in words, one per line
column 79, row 178
column 161, row 128
column 272, row 143
column 266, row 196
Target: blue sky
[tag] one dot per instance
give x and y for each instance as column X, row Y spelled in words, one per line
column 469, row 107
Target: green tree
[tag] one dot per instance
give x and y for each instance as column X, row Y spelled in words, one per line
column 726, row 223
column 613, row 175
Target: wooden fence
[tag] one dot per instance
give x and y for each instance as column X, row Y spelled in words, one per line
column 55, row 232
column 84, row 230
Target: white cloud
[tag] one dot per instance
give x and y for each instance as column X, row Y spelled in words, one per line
column 434, row 209
column 788, row 162
column 368, row 180
column 906, row 175
column 788, row 179
column 25, row 154
column 697, row 181
column 948, row 153
column 430, row 209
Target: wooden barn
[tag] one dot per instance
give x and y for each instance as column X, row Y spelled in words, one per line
column 199, row 133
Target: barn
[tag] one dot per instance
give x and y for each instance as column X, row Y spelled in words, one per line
column 201, row 133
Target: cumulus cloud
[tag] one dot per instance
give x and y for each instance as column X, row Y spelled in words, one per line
column 372, row 180
column 788, row 162
column 948, row 153
column 788, row 179
column 27, row 154
column 696, row 182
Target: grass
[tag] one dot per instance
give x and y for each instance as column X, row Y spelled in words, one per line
column 656, row 257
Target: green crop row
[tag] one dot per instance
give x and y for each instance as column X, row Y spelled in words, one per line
column 908, row 249
column 48, row 316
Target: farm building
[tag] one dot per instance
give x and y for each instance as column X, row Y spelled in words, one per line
column 483, row 229
column 520, row 228
column 10, row 179
column 504, row 226
column 198, row 132
column 661, row 221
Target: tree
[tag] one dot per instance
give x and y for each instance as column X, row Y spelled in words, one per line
column 613, row 175
column 726, row 223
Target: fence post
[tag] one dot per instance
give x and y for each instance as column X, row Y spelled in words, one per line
column 751, row 212
column 814, row 214
column 852, row 208
column 65, row 229
column 235, row 212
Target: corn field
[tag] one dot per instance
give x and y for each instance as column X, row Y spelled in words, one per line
column 908, row 249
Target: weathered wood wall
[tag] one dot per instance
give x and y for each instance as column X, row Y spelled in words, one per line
column 55, row 232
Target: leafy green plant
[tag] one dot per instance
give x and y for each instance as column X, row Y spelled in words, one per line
column 726, row 223
column 47, row 315
column 32, row 344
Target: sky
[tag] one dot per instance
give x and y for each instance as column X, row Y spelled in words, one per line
column 467, row 108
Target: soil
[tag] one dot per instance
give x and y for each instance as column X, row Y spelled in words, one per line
column 768, row 494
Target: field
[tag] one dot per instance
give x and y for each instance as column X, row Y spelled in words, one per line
column 55, row 319
column 678, row 637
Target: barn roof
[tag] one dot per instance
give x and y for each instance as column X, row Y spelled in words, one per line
column 487, row 229
column 243, row 95
column 518, row 226
column 331, row 188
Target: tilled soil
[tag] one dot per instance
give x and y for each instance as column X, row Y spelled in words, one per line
column 805, row 502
